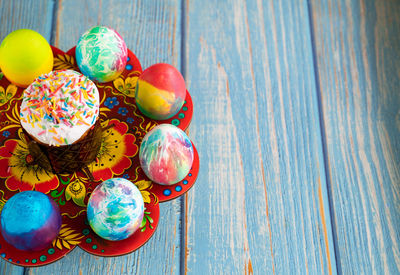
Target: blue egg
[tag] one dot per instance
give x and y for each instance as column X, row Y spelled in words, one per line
column 30, row 221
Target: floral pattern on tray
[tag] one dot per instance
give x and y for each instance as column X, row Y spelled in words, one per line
column 123, row 129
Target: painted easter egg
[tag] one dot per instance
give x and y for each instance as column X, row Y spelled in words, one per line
column 160, row 91
column 101, row 54
column 24, row 55
column 166, row 154
column 115, row 209
column 30, row 221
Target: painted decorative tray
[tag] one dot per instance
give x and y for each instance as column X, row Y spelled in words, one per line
column 124, row 128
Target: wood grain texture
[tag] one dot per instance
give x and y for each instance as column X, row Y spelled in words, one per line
column 151, row 29
column 26, row 15
column 17, row 15
column 260, row 203
column 358, row 48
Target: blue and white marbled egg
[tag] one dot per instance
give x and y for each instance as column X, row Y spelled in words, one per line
column 115, row 209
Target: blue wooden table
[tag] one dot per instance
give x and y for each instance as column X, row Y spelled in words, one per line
column 297, row 124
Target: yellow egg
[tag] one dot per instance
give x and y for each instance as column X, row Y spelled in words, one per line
column 24, row 55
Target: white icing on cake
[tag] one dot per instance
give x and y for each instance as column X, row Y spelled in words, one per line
column 59, row 107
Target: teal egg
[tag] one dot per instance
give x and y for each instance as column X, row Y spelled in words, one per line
column 101, row 54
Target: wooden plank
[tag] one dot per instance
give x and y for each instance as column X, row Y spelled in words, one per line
column 151, row 30
column 358, row 48
column 25, row 14
column 260, row 204
column 17, row 15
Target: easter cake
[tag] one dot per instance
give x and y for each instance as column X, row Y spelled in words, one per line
column 59, row 112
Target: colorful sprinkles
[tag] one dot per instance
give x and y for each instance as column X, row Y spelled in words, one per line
column 57, row 102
